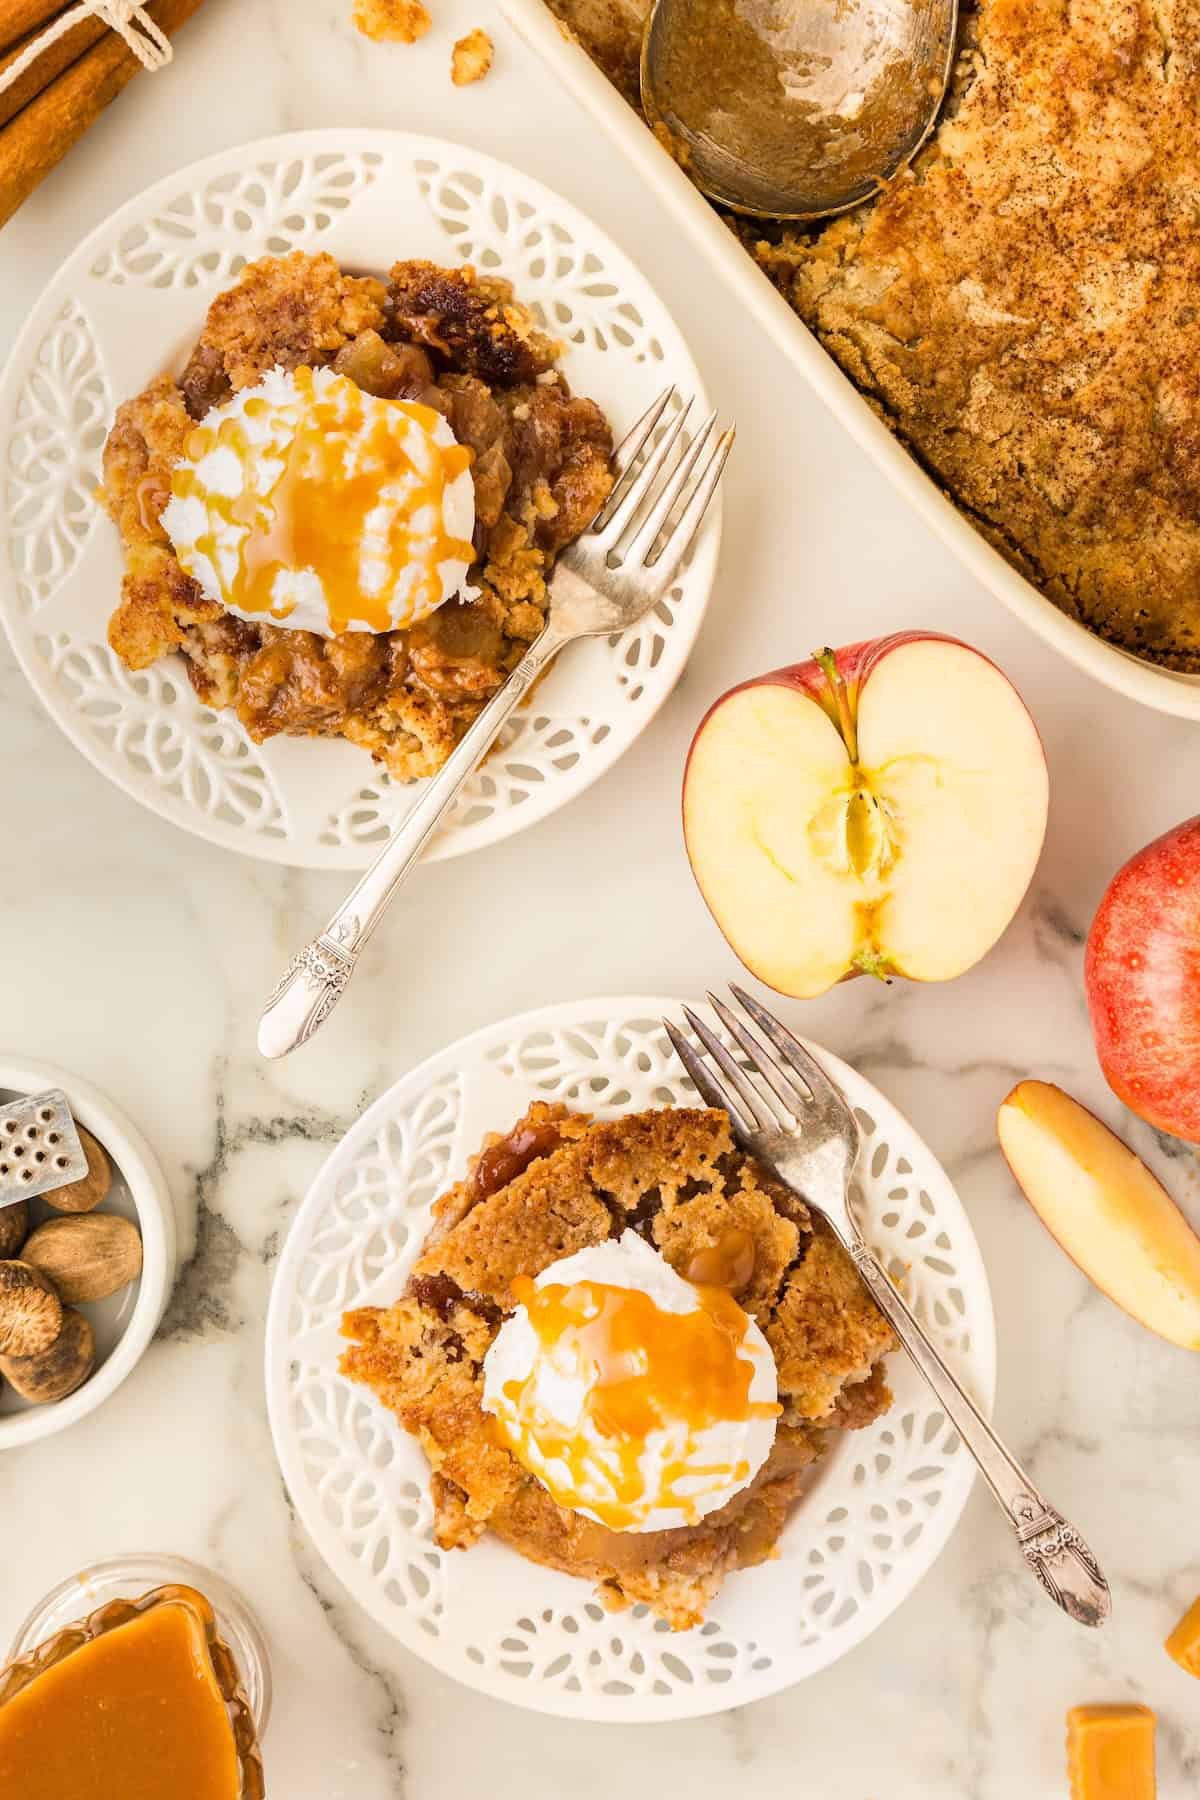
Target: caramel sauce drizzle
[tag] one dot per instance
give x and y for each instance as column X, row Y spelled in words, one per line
column 150, row 501
column 647, row 1370
column 729, row 1263
column 336, row 469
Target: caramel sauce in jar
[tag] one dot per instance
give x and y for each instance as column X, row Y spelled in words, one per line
column 135, row 1711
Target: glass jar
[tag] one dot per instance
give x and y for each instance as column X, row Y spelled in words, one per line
column 106, row 1595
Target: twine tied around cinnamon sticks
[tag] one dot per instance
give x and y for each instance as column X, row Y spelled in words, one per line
column 129, row 18
column 61, row 63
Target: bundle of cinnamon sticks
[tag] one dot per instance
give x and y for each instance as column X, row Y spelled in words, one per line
column 50, row 106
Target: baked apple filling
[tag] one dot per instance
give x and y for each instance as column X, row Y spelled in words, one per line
column 344, row 512
column 623, row 1347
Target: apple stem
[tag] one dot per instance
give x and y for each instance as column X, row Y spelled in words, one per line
column 826, row 661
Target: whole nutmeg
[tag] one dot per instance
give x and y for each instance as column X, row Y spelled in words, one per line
column 14, row 1228
column 30, row 1310
column 60, row 1370
column 86, row 1258
column 82, row 1195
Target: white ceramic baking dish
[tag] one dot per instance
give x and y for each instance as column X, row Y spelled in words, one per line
column 1160, row 688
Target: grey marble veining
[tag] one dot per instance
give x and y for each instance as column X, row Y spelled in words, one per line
column 140, row 957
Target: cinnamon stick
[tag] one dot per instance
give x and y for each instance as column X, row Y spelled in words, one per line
column 50, row 64
column 18, row 18
column 40, row 135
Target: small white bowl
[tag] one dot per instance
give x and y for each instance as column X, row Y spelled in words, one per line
column 125, row 1323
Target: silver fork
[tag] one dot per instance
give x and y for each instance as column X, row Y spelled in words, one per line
column 799, row 1124
column 604, row 582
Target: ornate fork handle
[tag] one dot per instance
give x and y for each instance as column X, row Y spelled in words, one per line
column 1051, row 1546
column 317, row 978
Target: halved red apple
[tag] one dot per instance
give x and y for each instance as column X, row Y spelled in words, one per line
column 1105, row 1208
column 879, row 809
column 1142, row 975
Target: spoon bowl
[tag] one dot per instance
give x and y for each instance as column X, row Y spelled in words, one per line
column 796, row 109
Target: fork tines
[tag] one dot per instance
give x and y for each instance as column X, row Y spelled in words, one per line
column 785, row 1068
column 645, row 495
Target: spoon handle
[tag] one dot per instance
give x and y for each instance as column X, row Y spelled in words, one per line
column 317, row 977
column 1053, row 1549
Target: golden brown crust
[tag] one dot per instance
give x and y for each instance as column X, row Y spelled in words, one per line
column 158, row 605
column 684, row 1233
column 541, row 471
column 560, row 1181
column 550, row 1211
column 1021, row 309
column 826, row 1332
column 285, row 311
column 145, row 443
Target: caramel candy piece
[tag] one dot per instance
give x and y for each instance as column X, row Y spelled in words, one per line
column 1184, row 1642
column 1110, row 1752
column 136, row 1712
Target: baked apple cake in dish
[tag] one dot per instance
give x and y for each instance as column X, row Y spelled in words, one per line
column 623, row 1348
column 1020, row 307
column 343, row 512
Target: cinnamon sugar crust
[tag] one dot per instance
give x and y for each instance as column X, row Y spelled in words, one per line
column 458, row 343
column 1021, row 306
column 566, row 1181
column 284, row 312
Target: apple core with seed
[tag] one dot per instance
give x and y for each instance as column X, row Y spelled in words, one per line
column 879, row 809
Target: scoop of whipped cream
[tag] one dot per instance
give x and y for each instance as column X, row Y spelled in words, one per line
column 634, row 1397
column 307, row 503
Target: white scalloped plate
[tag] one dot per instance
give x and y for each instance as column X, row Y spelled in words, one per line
column 130, row 300
column 880, row 1508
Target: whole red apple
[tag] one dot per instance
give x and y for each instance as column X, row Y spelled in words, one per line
column 1142, row 972
column 879, row 809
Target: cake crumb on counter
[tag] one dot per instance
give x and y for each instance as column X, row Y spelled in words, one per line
column 472, row 58
column 391, row 21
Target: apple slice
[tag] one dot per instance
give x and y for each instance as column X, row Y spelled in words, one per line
column 1105, row 1208
column 879, row 809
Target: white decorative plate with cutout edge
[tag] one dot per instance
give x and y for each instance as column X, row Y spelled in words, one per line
column 881, row 1506
column 130, row 300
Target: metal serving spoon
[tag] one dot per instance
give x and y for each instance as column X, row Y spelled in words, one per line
column 794, row 109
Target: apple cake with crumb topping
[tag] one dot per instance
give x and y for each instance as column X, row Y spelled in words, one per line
column 556, row 1184
column 539, row 463
column 1022, row 306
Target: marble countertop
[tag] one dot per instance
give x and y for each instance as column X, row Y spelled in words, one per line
column 138, row 957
